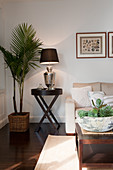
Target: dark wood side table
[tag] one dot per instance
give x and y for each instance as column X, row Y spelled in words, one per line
column 95, row 150
column 38, row 94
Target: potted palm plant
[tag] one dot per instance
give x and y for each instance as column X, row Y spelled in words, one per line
column 25, row 49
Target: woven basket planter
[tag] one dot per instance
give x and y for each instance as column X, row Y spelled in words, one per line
column 19, row 123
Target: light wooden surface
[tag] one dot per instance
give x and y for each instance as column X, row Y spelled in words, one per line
column 85, row 132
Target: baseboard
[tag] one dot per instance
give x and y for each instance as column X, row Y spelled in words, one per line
column 36, row 119
column 33, row 119
column 3, row 122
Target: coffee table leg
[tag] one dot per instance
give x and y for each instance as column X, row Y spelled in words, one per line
column 80, row 154
column 76, row 141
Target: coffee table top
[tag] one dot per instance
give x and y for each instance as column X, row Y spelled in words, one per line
column 85, row 135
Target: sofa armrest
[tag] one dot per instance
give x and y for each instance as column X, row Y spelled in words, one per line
column 69, row 99
column 70, row 115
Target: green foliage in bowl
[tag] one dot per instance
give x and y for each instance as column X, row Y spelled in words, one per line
column 99, row 110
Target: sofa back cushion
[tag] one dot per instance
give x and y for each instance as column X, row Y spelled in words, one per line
column 95, row 86
column 107, row 88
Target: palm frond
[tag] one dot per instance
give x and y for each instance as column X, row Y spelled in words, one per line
column 25, row 51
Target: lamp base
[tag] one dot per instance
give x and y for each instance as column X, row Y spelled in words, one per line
column 50, row 88
column 49, row 78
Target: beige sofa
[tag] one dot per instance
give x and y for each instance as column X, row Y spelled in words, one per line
column 70, row 104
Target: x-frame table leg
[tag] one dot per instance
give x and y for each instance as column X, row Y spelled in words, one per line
column 46, row 111
column 52, row 115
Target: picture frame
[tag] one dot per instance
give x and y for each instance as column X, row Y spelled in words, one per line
column 90, row 45
column 110, row 44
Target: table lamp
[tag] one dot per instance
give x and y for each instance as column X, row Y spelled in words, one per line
column 49, row 56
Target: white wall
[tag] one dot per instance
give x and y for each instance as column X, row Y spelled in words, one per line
column 56, row 23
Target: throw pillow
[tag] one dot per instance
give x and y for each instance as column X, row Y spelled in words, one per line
column 95, row 95
column 108, row 100
column 80, row 95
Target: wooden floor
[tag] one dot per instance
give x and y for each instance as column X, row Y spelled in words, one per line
column 20, row 151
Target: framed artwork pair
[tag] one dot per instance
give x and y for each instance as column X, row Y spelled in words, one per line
column 93, row 45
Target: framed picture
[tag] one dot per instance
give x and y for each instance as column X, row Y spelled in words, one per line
column 91, row 45
column 110, row 44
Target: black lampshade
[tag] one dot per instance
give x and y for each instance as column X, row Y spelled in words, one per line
column 49, row 56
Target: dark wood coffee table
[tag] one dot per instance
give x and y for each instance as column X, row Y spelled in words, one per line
column 95, row 150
